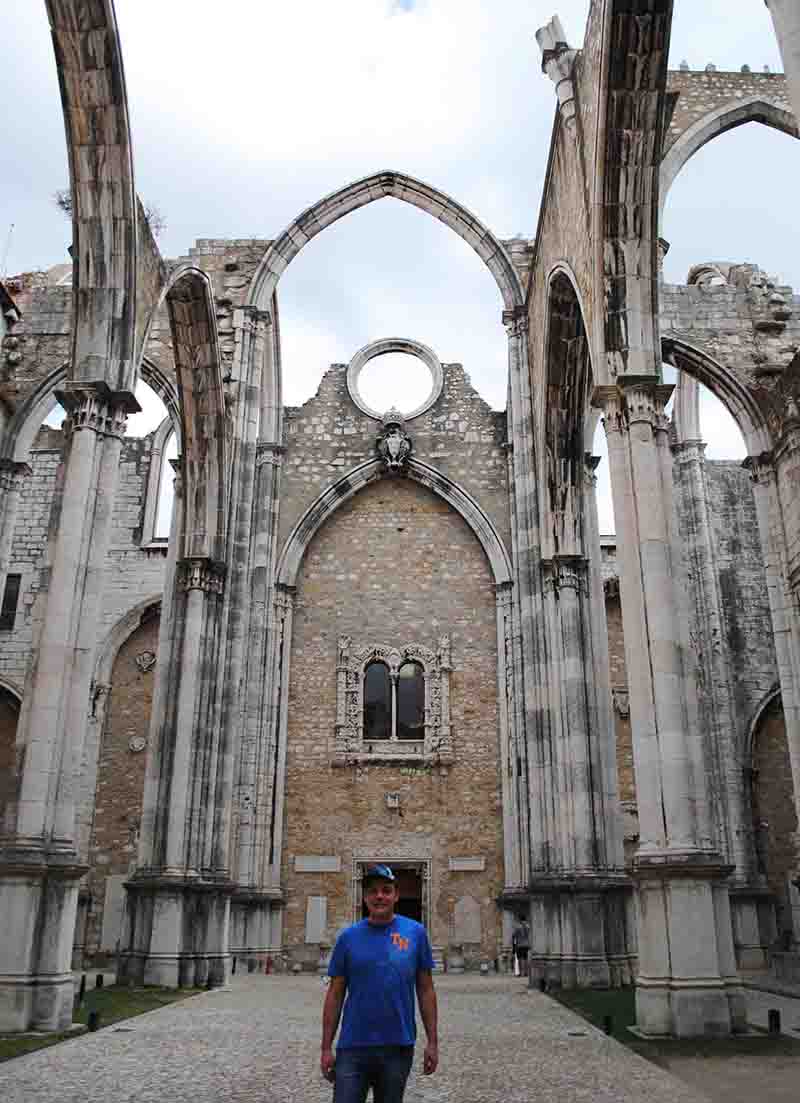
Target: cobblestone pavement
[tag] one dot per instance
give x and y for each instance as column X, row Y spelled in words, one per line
column 259, row 1041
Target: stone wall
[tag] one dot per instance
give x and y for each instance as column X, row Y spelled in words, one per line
column 773, row 808
column 701, row 93
column 120, row 783
column 134, row 575
column 459, row 435
column 395, row 564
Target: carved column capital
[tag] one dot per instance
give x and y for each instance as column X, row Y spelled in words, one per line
column 95, row 406
column 558, row 60
column 504, row 594
column 199, row 573
column 256, row 315
column 611, row 403
column 269, row 452
column 284, row 597
column 516, row 321
column 177, row 482
column 645, row 400
column 567, row 572
column 761, row 468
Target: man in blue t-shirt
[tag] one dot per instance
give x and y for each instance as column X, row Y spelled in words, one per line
column 378, row 964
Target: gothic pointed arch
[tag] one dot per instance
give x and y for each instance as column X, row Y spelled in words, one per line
column 329, row 501
column 203, row 424
column 396, row 185
column 359, row 194
column 727, row 117
column 740, row 401
column 568, row 389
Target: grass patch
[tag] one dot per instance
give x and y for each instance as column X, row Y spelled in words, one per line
column 620, row 1003
column 113, row 1004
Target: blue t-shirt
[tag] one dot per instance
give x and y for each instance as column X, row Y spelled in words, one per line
column 380, row 965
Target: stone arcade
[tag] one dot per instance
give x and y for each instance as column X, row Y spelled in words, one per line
column 398, row 634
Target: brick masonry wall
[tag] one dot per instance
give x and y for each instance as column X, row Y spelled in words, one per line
column 395, row 564
column 120, row 773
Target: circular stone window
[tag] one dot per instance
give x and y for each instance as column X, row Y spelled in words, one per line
column 394, row 373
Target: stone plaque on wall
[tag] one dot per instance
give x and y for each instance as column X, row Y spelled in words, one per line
column 113, row 909
column 467, row 920
column 316, row 918
column 317, row 863
column 467, row 865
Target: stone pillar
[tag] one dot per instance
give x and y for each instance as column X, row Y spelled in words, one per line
column 178, row 901
column 508, row 749
column 39, row 866
column 786, row 17
column 730, row 790
column 686, row 983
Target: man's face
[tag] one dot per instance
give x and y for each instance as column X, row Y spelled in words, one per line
column 380, row 898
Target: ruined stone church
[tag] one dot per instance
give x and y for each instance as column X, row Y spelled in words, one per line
column 399, row 635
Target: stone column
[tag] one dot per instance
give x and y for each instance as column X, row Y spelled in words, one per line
column 504, row 597
column 178, row 903
column 730, row 804
column 686, row 983
column 786, row 17
column 39, row 866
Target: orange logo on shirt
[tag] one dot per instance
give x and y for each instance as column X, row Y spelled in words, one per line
column 400, row 942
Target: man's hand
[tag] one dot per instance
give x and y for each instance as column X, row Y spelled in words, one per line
column 327, row 1064
column 431, row 1058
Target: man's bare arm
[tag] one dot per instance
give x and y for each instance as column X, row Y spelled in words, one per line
column 331, row 1010
column 428, row 1009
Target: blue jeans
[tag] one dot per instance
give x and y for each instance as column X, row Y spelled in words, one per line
column 385, row 1069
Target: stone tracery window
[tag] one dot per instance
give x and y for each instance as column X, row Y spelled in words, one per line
column 393, row 703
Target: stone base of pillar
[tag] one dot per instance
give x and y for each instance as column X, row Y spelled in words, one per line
column 38, row 904
column 754, row 925
column 256, row 926
column 687, row 984
column 175, row 933
column 581, row 935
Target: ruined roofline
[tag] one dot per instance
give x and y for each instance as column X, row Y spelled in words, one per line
column 711, row 70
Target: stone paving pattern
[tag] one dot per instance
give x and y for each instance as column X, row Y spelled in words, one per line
column 259, row 1041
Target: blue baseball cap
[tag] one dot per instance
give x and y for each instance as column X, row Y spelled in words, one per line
column 381, row 872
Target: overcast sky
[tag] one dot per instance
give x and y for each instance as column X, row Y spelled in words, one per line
column 245, row 113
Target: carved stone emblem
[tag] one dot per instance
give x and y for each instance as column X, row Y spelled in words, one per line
column 394, row 443
column 145, row 660
column 621, row 702
column 137, row 743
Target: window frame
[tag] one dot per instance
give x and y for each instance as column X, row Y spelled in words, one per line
column 350, row 743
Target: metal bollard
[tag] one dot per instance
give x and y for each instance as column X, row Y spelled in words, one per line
column 82, row 989
column 233, row 966
column 774, row 1020
column 93, row 1021
column 608, row 1024
column 542, row 984
column 98, row 980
